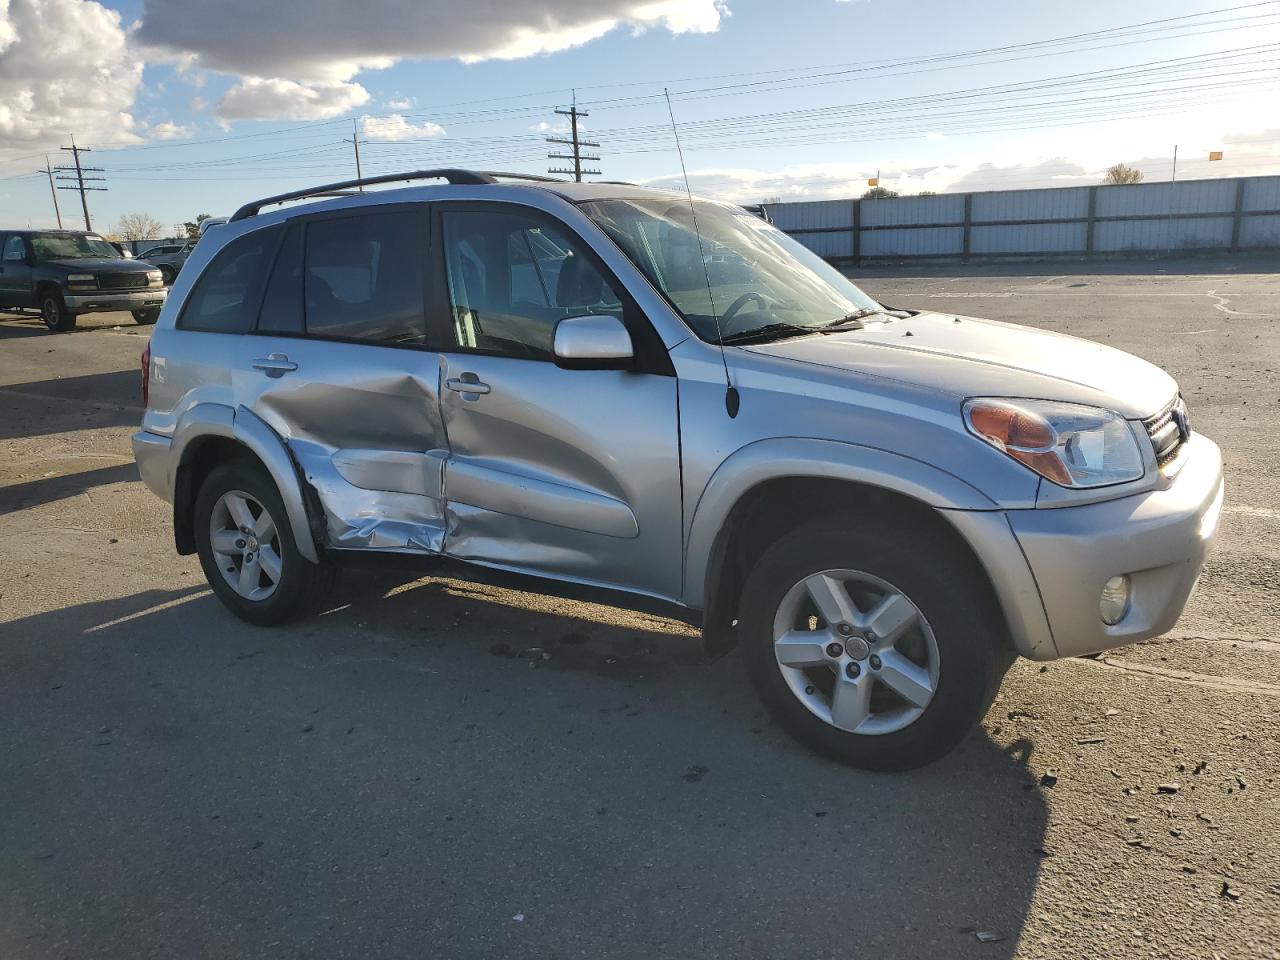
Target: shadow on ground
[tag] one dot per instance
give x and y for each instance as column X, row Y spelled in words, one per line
column 92, row 401
column 408, row 775
column 32, row 493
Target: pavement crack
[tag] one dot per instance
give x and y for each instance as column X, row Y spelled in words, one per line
column 1221, row 306
column 1202, row 680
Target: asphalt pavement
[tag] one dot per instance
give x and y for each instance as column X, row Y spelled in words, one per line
column 441, row 768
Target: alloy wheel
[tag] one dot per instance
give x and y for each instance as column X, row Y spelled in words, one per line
column 856, row 651
column 246, row 545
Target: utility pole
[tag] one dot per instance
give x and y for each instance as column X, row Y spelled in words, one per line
column 355, row 142
column 48, row 170
column 1173, row 186
column 77, row 173
column 573, row 113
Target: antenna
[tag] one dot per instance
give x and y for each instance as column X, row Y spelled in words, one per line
column 731, row 399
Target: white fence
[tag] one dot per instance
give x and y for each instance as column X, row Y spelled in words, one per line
column 1192, row 216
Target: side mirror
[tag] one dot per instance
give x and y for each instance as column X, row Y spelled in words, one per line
column 599, row 342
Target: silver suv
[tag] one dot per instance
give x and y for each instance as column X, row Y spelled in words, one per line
column 626, row 388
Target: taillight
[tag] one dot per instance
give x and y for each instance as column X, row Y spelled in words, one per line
column 146, row 374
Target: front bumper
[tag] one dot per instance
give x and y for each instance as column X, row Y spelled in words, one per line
column 151, row 451
column 103, row 300
column 1159, row 539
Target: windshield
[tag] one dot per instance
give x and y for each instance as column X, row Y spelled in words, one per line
column 71, row 246
column 755, row 276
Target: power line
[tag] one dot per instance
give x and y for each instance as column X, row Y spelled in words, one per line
column 48, row 170
column 573, row 113
column 80, row 179
column 355, row 142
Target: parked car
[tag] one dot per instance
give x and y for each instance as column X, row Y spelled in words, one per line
column 169, row 257
column 882, row 507
column 64, row 273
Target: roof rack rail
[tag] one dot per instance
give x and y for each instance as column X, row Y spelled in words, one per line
column 535, row 177
column 455, row 176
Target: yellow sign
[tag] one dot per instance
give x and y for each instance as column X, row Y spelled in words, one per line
column 873, row 182
column 1215, row 154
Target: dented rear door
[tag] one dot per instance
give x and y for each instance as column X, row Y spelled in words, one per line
column 340, row 367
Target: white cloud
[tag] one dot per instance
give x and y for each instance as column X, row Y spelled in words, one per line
column 168, row 130
column 560, row 129
column 396, row 127
column 400, row 103
column 322, row 40
column 65, row 66
column 270, row 98
column 1247, row 154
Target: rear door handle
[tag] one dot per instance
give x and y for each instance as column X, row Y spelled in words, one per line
column 463, row 385
column 276, row 365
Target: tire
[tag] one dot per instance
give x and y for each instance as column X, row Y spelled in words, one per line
column 949, row 656
column 286, row 588
column 54, row 312
column 168, row 274
column 145, row 317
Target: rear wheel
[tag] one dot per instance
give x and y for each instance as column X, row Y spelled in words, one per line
column 54, row 312
column 873, row 645
column 247, row 550
column 145, row 317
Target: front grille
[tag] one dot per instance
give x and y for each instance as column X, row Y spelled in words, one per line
column 1169, row 430
column 122, row 281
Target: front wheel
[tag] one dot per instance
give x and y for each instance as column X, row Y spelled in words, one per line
column 145, row 317
column 54, row 312
column 874, row 646
column 247, row 549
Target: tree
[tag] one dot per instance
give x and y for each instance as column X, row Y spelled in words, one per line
column 1121, row 173
column 927, row 193
column 879, row 193
column 138, row 226
column 193, row 226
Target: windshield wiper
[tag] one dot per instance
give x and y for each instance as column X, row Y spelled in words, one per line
column 850, row 321
column 770, row 331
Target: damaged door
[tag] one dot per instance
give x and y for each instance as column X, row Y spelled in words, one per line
column 339, row 366
column 571, row 473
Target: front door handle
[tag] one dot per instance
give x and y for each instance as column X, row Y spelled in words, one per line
column 276, row 365
column 464, row 385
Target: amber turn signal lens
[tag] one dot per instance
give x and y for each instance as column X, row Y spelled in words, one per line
column 1023, row 435
column 1007, row 426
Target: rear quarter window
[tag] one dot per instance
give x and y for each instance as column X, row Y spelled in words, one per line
column 226, row 297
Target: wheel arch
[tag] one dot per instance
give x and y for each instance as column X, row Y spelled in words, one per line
column 46, row 286
column 770, row 487
column 211, row 434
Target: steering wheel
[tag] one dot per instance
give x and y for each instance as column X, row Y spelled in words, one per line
column 738, row 304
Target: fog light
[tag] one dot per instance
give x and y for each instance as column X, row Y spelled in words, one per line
column 1114, row 603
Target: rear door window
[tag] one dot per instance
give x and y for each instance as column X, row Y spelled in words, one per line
column 226, row 297
column 365, row 278
column 282, row 301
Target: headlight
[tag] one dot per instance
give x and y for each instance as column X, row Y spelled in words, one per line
column 79, row 277
column 155, row 278
column 1070, row 444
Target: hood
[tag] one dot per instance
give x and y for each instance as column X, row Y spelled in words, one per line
column 100, row 265
column 970, row 357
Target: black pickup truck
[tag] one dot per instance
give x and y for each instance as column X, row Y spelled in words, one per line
column 63, row 273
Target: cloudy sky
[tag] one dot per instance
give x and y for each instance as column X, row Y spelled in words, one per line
column 197, row 105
